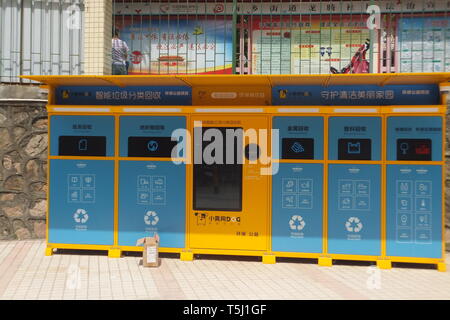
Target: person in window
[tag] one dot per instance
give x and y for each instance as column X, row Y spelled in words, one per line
column 119, row 55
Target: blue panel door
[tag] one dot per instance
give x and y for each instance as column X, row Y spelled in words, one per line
column 414, row 211
column 297, row 208
column 81, row 205
column 354, row 209
column 152, row 198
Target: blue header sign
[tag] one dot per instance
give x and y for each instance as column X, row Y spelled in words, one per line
column 134, row 95
column 363, row 95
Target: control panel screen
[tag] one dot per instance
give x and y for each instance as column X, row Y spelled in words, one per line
column 218, row 186
column 414, row 149
column 157, row 147
column 297, row 148
column 354, row 149
column 92, row 146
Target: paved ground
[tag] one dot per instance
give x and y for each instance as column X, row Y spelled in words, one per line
column 25, row 273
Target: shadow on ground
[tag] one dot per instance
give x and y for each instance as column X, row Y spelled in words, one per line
column 209, row 257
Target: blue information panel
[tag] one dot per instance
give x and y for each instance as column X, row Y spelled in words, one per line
column 81, row 205
column 82, row 136
column 414, row 211
column 414, row 138
column 152, row 198
column 133, row 95
column 354, row 138
column 354, row 209
column 297, row 204
column 366, row 95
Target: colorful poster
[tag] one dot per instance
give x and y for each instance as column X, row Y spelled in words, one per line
column 306, row 45
column 424, row 44
column 164, row 45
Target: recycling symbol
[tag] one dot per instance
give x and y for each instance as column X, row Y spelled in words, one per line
column 353, row 224
column 297, row 223
column 80, row 216
column 151, row 218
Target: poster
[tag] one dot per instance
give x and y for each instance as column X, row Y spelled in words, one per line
column 424, row 44
column 306, row 45
column 180, row 45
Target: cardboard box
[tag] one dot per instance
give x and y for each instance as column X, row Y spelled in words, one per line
column 150, row 256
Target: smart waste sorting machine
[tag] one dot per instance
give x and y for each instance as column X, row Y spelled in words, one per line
column 343, row 167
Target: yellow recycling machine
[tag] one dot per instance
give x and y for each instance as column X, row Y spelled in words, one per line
column 317, row 166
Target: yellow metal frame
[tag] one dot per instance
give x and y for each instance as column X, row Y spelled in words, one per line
column 265, row 82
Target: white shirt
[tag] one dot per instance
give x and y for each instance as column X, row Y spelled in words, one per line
column 119, row 51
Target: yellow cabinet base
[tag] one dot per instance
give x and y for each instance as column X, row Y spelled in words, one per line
column 384, row 264
column 114, row 253
column 269, row 259
column 186, row 256
column 325, row 261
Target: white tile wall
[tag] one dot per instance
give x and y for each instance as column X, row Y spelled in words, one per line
column 97, row 40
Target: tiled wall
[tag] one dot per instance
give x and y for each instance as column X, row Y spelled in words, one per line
column 97, row 41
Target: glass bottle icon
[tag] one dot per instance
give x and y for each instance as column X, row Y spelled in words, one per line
column 404, row 147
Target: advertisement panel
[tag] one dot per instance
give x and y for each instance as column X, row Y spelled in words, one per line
column 306, row 44
column 423, row 44
column 177, row 45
